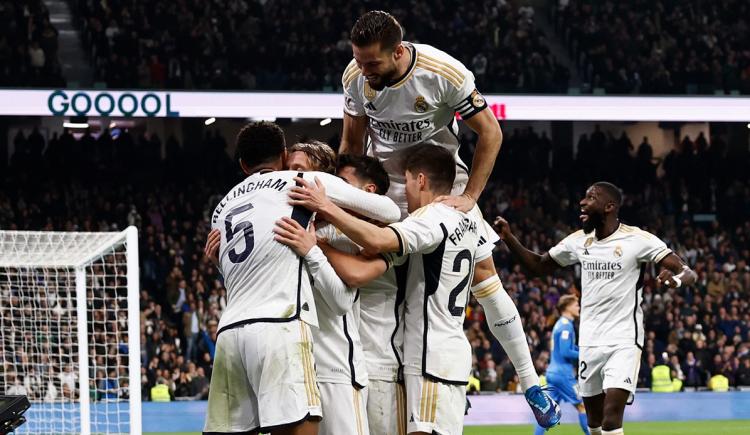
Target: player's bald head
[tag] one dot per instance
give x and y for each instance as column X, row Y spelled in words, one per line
column 611, row 192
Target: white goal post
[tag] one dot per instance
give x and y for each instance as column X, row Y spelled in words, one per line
column 70, row 330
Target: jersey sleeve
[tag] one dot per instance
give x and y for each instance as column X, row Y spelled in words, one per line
column 378, row 207
column 332, row 289
column 652, row 249
column 567, row 340
column 353, row 104
column 564, row 253
column 465, row 99
column 417, row 234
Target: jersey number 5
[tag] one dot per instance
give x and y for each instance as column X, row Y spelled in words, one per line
column 247, row 232
column 452, row 307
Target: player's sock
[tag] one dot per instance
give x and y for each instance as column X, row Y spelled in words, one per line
column 505, row 323
column 539, row 430
column 584, row 422
column 613, row 432
column 595, row 430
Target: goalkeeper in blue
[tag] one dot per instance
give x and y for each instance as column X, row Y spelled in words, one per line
column 561, row 373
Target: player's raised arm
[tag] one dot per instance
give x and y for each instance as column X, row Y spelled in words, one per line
column 353, row 134
column 378, row 207
column 355, row 270
column 676, row 273
column 490, row 139
column 536, row 264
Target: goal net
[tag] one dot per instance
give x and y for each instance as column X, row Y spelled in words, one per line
column 70, row 330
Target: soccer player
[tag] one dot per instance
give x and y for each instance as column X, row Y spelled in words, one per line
column 399, row 94
column 340, row 361
column 612, row 256
column 263, row 378
column 561, row 373
column 441, row 242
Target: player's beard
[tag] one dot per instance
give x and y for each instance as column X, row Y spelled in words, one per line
column 382, row 80
column 594, row 221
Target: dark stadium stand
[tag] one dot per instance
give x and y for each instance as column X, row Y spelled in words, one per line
column 28, row 45
column 704, row 330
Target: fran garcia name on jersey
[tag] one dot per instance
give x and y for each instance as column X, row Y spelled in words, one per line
column 598, row 269
column 458, row 233
column 406, row 132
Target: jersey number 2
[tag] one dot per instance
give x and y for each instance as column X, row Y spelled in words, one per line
column 452, row 307
column 247, row 232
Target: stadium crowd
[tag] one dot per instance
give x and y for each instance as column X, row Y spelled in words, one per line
column 28, row 45
column 658, row 47
column 279, row 45
column 700, row 331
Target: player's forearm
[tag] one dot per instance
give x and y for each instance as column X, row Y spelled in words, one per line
column 530, row 260
column 334, row 291
column 355, row 270
column 370, row 237
column 485, row 154
column 353, row 135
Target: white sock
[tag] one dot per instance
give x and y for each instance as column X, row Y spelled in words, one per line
column 505, row 323
column 613, row 432
column 595, row 430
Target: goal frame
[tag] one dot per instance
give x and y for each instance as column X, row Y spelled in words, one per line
column 129, row 237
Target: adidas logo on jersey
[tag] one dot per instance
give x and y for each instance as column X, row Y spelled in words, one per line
column 628, row 381
column 370, row 106
column 305, row 307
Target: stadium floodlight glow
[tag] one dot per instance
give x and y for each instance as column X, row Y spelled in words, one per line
column 75, row 124
column 324, row 122
column 210, row 121
column 748, row 125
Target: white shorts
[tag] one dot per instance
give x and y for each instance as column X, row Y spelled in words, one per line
column 344, row 409
column 386, row 408
column 603, row 367
column 434, row 407
column 487, row 236
column 263, row 377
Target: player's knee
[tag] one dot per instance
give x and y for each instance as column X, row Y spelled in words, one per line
column 612, row 418
column 483, row 270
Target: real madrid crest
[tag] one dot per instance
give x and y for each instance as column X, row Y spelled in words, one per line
column 618, row 251
column 477, row 100
column 420, row 105
column 370, row 93
column 588, row 242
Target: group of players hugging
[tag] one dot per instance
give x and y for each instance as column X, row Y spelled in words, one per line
column 347, row 277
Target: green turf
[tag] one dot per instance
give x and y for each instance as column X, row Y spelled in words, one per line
column 725, row 427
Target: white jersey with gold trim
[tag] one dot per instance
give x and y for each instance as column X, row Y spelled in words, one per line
column 611, row 282
column 441, row 242
column 264, row 279
column 418, row 108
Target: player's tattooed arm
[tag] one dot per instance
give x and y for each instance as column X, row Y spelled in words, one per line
column 538, row 265
column 353, row 135
column 488, row 145
column 675, row 272
column 356, row 270
column 211, row 250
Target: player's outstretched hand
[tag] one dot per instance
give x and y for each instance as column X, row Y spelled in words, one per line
column 463, row 203
column 211, row 250
column 311, row 196
column 666, row 277
column 502, row 227
column 289, row 232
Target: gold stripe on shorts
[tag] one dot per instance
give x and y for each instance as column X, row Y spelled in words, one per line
column 311, row 388
column 433, row 402
column 357, row 410
column 401, row 409
column 423, row 400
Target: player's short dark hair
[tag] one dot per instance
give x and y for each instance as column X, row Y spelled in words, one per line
column 613, row 192
column 260, row 142
column 564, row 301
column 321, row 155
column 368, row 169
column 436, row 162
column 377, row 27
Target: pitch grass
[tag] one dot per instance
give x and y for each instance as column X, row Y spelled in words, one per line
column 723, row 427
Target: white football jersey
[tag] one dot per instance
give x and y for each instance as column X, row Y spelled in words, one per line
column 382, row 323
column 264, row 279
column 611, row 282
column 441, row 242
column 338, row 348
column 419, row 108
